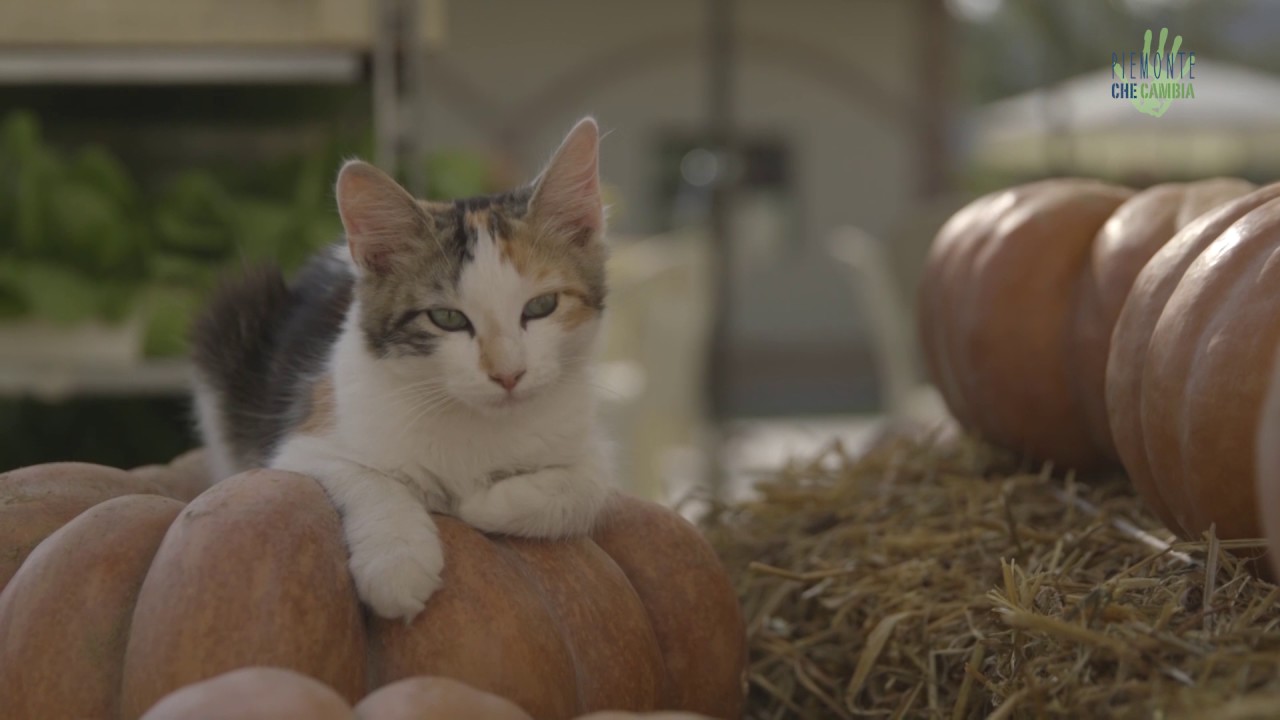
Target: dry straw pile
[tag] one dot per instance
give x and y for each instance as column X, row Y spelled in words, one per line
column 937, row 579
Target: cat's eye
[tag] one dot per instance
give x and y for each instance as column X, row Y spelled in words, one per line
column 540, row 307
column 449, row 319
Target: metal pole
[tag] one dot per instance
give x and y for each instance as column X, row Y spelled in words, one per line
column 720, row 61
column 413, row 31
column 935, row 84
column 386, row 94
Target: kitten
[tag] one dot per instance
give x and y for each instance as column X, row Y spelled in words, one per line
column 438, row 361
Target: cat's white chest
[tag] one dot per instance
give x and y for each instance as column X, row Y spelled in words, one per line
column 459, row 448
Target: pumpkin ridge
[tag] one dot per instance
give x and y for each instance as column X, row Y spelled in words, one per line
column 1083, row 378
column 1203, row 465
column 666, row 685
column 36, row 501
column 520, row 655
column 1131, row 344
column 1046, row 349
column 710, row 636
column 961, row 232
column 556, row 621
column 194, row 618
column 1213, row 325
column 110, row 546
column 121, row 641
column 514, row 559
column 1190, row 316
column 580, row 639
column 1134, row 233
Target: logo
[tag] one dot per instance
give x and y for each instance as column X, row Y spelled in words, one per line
column 1152, row 81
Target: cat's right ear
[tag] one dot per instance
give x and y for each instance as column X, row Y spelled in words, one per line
column 383, row 222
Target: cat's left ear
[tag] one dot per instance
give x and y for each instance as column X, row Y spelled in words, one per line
column 566, row 196
column 383, row 222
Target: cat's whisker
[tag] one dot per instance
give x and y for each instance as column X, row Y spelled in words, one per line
column 420, row 396
column 413, row 424
column 425, row 382
column 607, row 390
column 432, row 385
column 421, row 400
column 413, row 392
column 429, row 409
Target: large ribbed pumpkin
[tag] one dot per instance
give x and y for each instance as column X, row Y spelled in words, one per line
column 1267, row 481
column 1019, row 297
column 138, row 596
column 270, row 693
column 255, row 693
column 1190, row 363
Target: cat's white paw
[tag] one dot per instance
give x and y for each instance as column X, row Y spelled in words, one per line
column 396, row 575
column 545, row 504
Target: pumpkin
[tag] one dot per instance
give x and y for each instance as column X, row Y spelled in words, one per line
column 1268, row 478
column 1131, row 236
column 1190, row 362
column 184, row 478
column 253, row 571
column 624, row 715
column 53, row 650
column 38, row 500
column 270, row 692
column 255, row 693
column 436, row 698
column 1019, row 297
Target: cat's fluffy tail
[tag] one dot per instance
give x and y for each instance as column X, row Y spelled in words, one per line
column 233, row 346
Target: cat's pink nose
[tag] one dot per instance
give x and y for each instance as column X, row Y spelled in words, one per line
column 507, row 380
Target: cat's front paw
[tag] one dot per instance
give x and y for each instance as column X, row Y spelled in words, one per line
column 394, row 575
column 550, row 503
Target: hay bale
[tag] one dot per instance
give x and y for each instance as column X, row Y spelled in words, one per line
column 939, row 579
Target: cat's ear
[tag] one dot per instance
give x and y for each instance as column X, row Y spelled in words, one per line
column 383, row 222
column 566, row 195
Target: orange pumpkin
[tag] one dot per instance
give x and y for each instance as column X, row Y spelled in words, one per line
column 624, row 715
column 1131, row 236
column 1019, row 297
column 254, row 693
column 268, row 692
column 253, row 572
column 1267, row 482
column 40, row 499
column 184, row 478
column 436, row 698
column 1190, row 362
column 52, row 649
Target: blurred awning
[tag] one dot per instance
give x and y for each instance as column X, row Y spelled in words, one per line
column 1231, row 126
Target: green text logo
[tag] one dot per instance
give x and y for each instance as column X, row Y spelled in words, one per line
column 1152, row 81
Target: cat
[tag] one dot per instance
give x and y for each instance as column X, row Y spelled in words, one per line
column 438, row 361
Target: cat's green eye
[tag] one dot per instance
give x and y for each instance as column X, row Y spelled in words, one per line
column 449, row 319
column 540, row 307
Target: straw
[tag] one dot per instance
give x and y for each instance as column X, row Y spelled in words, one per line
column 943, row 579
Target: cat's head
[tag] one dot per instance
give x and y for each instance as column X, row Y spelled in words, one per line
column 488, row 301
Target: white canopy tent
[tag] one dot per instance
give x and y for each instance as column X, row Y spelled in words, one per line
column 1232, row 126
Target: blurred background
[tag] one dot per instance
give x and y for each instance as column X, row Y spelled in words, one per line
column 775, row 170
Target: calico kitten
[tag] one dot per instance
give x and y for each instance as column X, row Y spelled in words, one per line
column 438, row 361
